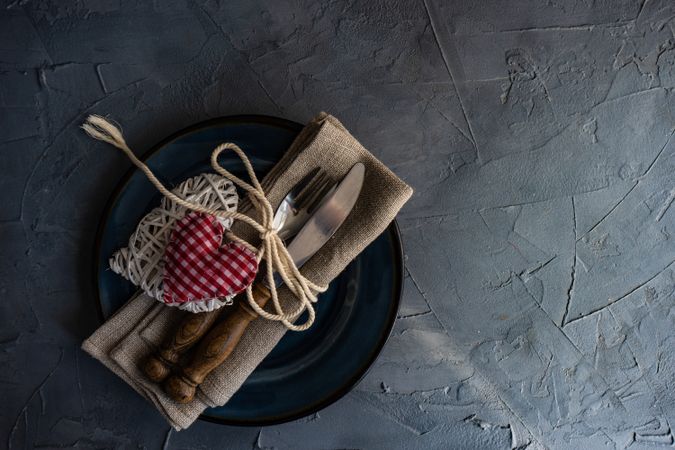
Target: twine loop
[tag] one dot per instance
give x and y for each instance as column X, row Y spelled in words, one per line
column 271, row 249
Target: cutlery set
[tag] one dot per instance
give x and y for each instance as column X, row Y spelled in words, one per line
column 331, row 221
column 306, row 219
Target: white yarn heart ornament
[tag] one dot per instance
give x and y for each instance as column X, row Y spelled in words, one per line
column 142, row 261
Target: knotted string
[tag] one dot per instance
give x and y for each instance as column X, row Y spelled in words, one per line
column 271, row 249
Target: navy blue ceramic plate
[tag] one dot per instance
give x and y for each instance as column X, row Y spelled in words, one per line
column 308, row 370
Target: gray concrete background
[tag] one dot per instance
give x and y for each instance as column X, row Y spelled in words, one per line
column 539, row 243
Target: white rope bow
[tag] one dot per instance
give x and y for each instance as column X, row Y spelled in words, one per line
column 271, row 249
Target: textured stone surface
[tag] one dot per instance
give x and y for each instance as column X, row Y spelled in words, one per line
column 539, row 304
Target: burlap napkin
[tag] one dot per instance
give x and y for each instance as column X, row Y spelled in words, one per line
column 139, row 326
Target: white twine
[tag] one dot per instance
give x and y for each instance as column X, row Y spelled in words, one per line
column 142, row 261
column 271, row 249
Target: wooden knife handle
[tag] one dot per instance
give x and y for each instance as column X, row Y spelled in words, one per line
column 214, row 348
column 158, row 365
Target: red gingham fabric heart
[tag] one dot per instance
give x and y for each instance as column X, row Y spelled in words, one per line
column 197, row 267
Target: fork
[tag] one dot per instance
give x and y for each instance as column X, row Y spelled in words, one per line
column 291, row 214
column 300, row 203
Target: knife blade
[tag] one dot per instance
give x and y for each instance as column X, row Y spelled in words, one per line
column 333, row 211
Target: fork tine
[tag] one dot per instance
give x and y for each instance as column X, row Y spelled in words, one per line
column 307, row 194
column 326, row 186
column 305, row 182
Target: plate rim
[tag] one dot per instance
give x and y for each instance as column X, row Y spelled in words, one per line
column 392, row 229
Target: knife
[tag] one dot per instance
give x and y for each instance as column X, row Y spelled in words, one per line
column 219, row 343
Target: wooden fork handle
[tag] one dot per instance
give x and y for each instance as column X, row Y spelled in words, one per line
column 158, row 365
column 214, row 348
